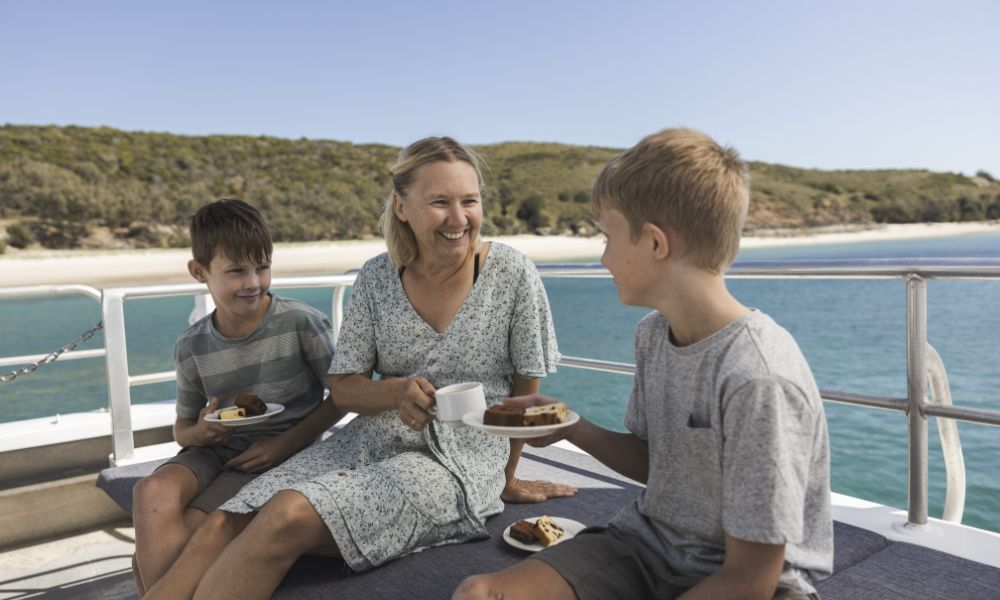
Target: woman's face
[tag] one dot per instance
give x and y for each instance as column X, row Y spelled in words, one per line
column 444, row 209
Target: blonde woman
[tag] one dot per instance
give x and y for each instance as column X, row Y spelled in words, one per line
column 438, row 308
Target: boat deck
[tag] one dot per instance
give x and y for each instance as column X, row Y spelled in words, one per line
column 868, row 564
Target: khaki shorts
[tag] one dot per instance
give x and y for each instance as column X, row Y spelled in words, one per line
column 605, row 563
column 216, row 484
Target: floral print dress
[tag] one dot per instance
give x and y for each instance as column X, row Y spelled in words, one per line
column 383, row 489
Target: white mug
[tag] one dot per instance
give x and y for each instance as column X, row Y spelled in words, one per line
column 454, row 401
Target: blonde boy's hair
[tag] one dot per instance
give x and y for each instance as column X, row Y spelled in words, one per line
column 399, row 238
column 681, row 180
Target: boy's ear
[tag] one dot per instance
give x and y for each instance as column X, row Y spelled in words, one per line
column 397, row 207
column 659, row 239
column 197, row 271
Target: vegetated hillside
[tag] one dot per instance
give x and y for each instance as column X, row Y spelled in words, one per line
column 68, row 187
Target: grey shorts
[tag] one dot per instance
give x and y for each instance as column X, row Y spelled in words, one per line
column 216, row 484
column 605, row 563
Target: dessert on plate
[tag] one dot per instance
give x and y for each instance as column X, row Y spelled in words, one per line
column 503, row 415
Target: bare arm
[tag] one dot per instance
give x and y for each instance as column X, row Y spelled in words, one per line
column 750, row 571
column 270, row 452
column 359, row 393
column 626, row 453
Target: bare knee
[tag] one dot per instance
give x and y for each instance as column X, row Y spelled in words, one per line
column 222, row 525
column 290, row 513
column 472, row 588
column 158, row 493
column 290, row 526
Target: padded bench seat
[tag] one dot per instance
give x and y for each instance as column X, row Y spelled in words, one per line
column 866, row 564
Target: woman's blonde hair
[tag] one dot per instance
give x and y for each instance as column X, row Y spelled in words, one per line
column 399, row 238
column 684, row 180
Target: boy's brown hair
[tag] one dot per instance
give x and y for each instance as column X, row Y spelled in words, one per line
column 232, row 227
column 681, row 180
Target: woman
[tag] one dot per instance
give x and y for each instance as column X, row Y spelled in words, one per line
column 438, row 309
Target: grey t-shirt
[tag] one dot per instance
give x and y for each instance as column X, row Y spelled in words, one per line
column 737, row 445
column 284, row 361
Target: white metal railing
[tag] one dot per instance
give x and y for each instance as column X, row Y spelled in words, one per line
column 45, row 291
column 914, row 272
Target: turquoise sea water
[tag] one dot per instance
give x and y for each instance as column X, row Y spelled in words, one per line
column 852, row 333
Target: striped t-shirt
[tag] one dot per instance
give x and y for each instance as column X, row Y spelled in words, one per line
column 284, row 361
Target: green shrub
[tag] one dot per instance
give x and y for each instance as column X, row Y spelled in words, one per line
column 19, row 236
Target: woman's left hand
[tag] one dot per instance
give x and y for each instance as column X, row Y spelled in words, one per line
column 521, row 490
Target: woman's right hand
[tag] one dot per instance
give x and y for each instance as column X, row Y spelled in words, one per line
column 414, row 400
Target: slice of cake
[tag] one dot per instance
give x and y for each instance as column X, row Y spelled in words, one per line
column 547, row 531
column 233, row 412
column 524, row 532
column 502, row 415
column 251, row 404
column 546, row 414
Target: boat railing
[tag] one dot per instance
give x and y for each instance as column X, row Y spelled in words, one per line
column 914, row 273
column 42, row 291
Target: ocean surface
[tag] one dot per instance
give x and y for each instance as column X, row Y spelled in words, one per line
column 852, row 332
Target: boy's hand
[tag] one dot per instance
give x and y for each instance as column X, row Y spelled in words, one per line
column 207, row 433
column 263, row 454
column 414, row 401
column 539, row 400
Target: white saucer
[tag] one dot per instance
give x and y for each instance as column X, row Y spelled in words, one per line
column 475, row 419
column 272, row 409
column 570, row 527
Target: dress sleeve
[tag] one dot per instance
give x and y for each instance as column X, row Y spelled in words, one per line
column 768, row 427
column 533, row 349
column 356, row 351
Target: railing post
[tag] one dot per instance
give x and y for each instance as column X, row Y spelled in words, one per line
column 337, row 310
column 916, row 383
column 119, row 391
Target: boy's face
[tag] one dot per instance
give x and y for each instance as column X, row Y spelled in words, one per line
column 238, row 289
column 623, row 257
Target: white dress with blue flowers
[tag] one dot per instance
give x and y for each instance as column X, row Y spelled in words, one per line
column 383, row 489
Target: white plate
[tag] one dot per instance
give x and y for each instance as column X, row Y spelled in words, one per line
column 475, row 419
column 569, row 526
column 272, row 409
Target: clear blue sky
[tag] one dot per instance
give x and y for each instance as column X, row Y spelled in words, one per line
column 827, row 84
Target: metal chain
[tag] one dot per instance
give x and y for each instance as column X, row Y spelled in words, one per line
column 53, row 356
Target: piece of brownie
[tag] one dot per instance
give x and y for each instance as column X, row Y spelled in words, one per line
column 524, row 532
column 252, row 404
column 504, row 416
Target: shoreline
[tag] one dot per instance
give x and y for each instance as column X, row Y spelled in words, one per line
column 111, row 268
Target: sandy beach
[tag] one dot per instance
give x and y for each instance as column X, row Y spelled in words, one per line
column 110, row 268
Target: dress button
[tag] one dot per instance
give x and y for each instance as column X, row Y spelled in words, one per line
column 439, row 337
column 430, row 361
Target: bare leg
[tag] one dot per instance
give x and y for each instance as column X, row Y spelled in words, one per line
column 158, row 510
column 286, row 528
column 208, row 542
column 139, row 588
column 527, row 579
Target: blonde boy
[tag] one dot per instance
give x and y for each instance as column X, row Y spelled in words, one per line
column 254, row 342
column 725, row 423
